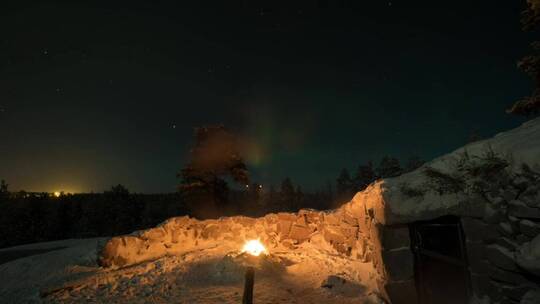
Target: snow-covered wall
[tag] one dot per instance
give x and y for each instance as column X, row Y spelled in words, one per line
column 422, row 195
column 349, row 232
column 282, row 231
column 494, row 187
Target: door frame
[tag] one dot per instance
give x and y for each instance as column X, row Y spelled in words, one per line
column 419, row 252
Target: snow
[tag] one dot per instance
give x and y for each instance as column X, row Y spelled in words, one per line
column 23, row 279
column 212, row 275
column 518, row 146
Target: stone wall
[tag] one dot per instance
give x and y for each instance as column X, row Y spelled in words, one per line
column 387, row 246
column 276, row 231
column 350, row 231
column 498, row 243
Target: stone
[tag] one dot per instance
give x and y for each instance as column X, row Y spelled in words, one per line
column 531, row 196
column 501, row 257
column 283, row 228
column 349, row 219
column 533, row 202
column 154, row 234
column 479, row 267
column 474, row 206
column 521, row 239
column 531, row 297
column 529, row 228
column 493, row 215
column 181, row 221
column 245, row 221
column 368, row 256
column 271, row 219
column 505, row 300
column 495, row 200
column 121, row 251
column 506, row 229
column 480, row 284
column 365, row 225
column 301, row 221
column 390, row 237
column 477, row 230
column 398, row 264
column 528, row 256
column 211, row 231
column 495, row 294
column 362, row 248
column 476, row 255
column 332, row 236
column 520, row 182
column 331, row 219
column 299, row 233
column 289, row 244
column 343, row 248
column 513, row 219
column 283, row 216
column 512, row 278
column 510, row 194
column 402, row 292
column 333, row 281
column 349, row 232
column 521, row 210
column 513, row 292
column 311, row 216
column 507, row 243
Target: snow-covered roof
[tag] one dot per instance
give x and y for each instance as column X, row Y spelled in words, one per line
column 409, row 197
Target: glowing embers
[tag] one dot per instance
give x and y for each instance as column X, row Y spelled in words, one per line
column 254, row 247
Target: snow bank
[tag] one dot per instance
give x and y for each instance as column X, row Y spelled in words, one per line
column 23, row 280
column 414, row 196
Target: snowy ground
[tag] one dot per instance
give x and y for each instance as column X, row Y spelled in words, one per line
column 214, row 275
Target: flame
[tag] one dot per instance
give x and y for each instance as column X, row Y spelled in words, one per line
column 254, row 247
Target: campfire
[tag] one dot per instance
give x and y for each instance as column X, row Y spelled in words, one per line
column 254, row 248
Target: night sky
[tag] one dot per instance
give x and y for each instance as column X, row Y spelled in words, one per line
column 94, row 94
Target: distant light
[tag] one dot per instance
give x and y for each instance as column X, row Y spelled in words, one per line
column 57, row 194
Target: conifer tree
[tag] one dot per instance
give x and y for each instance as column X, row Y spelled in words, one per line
column 530, row 64
column 389, row 167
